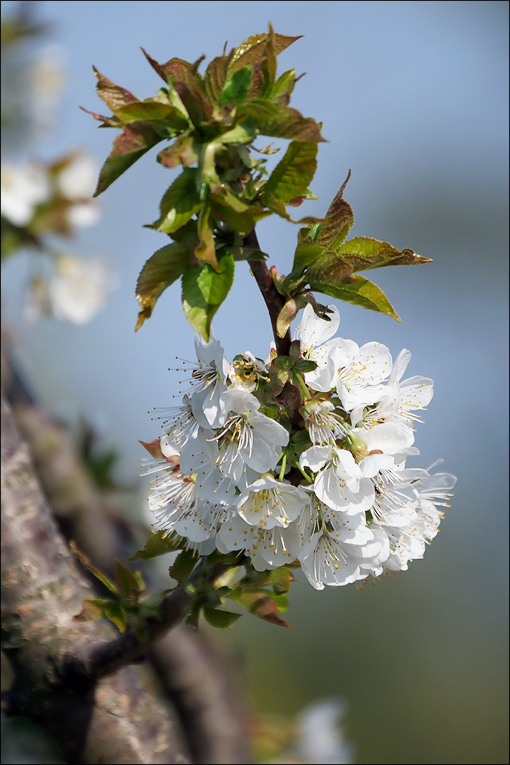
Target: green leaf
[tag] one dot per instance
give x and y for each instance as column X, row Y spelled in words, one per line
column 183, row 566
column 206, row 250
column 280, row 579
column 147, row 111
column 293, row 173
column 262, row 604
column 127, row 580
column 360, row 292
column 93, row 609
column 330, row 268
column 339, row 219
column 283, row 87
column 236, row 87
column 245, row 253
column 220, row 619
column 365, row 253
column 180, row 202
column 280, row 121
column 242, row 221
column 159, row 543
column 95, row 571
column 113, row 95
column 134, row 141
column 307, row 251
column 116, row 614
column 158, row 273
column 239, row 135
column 204, row 290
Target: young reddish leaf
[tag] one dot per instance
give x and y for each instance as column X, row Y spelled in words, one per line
column 107, row 121
column 215, row 76
column 113, row 95
column 252, row 49
column 220, row 619
column 158, row 273
column 187, row 82
column 159, row 543
column 204, row 290
column 267, row 66
column 181, row 152
column 206, row 250
column 365, row 253
column 261, row 604
column 359, row 292
column 293, row 173
column 130, row 145
column 180, row 202
column 339, row 219
column 154, row 448
column 174, row 70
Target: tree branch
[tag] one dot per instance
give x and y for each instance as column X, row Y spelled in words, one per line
column 274, row 301
column 114, row 720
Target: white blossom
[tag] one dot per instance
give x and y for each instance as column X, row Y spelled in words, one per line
column 79, row 288
column 209, row 382
column 335, row 558
column 24, row 187
column 359, row 373
column 315, row 336
column 267, row 503
column 247, row 436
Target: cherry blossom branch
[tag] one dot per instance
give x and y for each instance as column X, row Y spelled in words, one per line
column 274, row 301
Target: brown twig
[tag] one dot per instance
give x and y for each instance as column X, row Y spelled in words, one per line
column 274, row 301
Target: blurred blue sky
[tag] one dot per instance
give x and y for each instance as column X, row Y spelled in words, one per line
column 413, row 99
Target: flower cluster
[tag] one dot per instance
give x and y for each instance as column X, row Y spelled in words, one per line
column 328, row 487
column 40, row 200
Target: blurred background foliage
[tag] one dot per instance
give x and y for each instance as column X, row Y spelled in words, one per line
column 413, row 99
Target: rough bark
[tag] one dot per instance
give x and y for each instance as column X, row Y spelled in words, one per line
column 114, row 720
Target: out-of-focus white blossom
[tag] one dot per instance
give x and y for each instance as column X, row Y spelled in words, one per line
column 24, row 187
column 76, row 292
column 320, row 740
